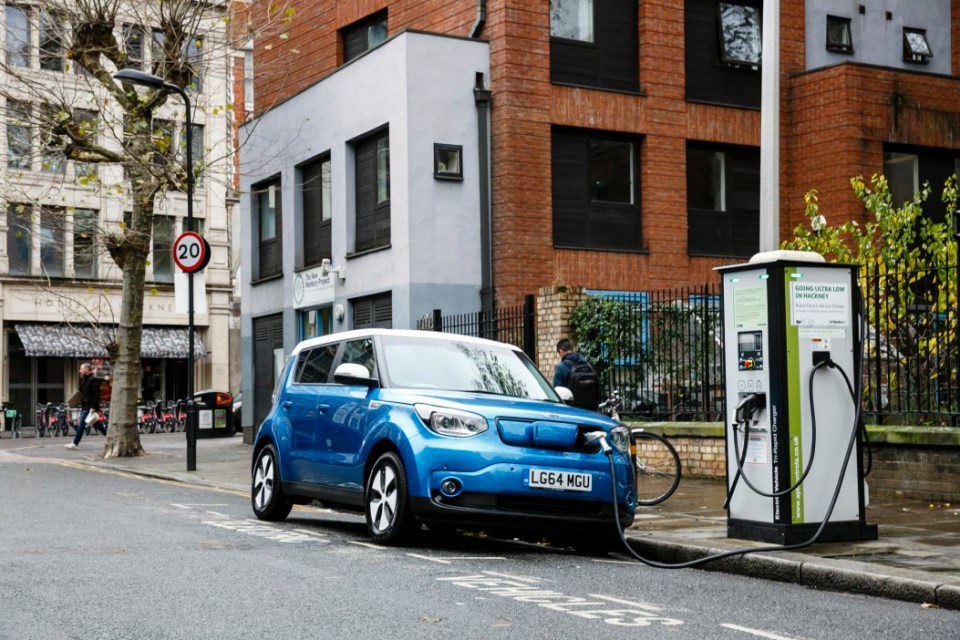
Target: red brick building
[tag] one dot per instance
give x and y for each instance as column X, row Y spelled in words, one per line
column 624, row 134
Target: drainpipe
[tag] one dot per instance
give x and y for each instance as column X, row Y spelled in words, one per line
column 481, row 96
column 481, row 19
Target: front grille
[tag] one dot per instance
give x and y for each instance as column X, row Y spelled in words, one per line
column 523, row 504
column 579, row 446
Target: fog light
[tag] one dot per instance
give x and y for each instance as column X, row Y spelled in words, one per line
column 450, row 487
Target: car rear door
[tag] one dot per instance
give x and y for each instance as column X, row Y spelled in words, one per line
column 306, row 408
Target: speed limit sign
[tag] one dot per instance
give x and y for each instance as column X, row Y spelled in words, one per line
column 191, row 252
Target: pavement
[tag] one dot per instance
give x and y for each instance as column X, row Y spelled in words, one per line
column 915, row 559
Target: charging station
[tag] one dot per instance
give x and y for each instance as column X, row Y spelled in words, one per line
column 791, row 323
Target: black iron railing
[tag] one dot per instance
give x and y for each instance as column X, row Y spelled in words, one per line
column 514, row 325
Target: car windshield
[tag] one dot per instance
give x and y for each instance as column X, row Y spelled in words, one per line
column 426, row 363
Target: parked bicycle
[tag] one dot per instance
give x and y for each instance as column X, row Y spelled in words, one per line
column 655, row 460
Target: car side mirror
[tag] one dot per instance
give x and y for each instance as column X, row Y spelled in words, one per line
column 565, row 394
column 350, row 373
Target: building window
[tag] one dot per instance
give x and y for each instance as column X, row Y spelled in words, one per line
column 315, row 322
column 85, row 225
column 723, row 200
column 18, row 36
column 18, row 239
column 163, row 248
column 915, row 46
column 196, row 153
column 52, row 158
column 269, row 224
column 612, row 171
column 197, row 226
column 158, row 49
column 315, row 179
column 595, row 44
column 51, row 241
column 51, row 41
column 447, row 161
column 372, row 176
column 740, row 39
column 18, row 135
column 902, row 171
column 364, row 35
column 572, row 19
column 596, row 190
column 192, row 51
column 839, row 37
column 373, row 312
column 86, row 129
column 133, row 43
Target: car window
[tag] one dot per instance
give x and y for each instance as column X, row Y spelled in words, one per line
column 427, row 363
column 315, row 367
column 361, row 352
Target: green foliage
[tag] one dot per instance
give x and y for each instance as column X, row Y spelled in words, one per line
column 909, row 279
column 604, row 330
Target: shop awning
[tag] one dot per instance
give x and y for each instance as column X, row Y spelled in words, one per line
column 66, row 341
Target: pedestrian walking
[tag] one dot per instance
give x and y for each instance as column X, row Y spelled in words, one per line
column 89, row 402
column 575, row 373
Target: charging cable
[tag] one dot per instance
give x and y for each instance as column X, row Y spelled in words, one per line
column 855, row 395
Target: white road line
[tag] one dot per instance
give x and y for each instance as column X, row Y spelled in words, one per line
column 428, row 558
column 512, row 577
column 311, row 533
column 629, row 603
column 757, row 632
column 191, row 506
column 368, row 545
column 217, row 513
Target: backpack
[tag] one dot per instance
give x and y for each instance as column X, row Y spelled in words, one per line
column 585, row 385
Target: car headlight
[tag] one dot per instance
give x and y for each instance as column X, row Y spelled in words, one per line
column 619, row 437
column 450, row 422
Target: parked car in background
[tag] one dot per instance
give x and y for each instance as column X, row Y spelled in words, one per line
column 237, row 407
column 418, row 427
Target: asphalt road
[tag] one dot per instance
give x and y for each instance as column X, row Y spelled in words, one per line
column 95, row 554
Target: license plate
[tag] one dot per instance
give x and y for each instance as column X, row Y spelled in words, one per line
column 560, row 480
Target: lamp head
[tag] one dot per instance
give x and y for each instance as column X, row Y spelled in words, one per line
column 136, row 76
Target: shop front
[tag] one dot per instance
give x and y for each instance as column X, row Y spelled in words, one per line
column 44, row 359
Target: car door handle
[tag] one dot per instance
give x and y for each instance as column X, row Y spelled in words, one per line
column 286, row 404
column 322, row 408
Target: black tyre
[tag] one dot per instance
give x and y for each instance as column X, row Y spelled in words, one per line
column 657, row 467
column 389, row 520
column 266, row 493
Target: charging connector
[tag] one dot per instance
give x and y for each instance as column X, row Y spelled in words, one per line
column 749, row 405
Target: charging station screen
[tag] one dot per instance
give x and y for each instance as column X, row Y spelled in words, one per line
column 751, row 350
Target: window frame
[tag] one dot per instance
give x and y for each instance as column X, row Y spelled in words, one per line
column 50, row 49
column 22, row 112
column 316, row 219
column 260, row 192
column 910, row 53
column 135, row 62
column 372, row 178
column 53, row 259
column 360, row 31
column 22, row 55
column 85, row 220
column 580, row 220
column 847, row 30
column 726, row 54
column 440, row 170
column 580, row 11
column 20, row 215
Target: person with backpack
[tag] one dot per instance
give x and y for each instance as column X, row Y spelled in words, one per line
column 575, row 373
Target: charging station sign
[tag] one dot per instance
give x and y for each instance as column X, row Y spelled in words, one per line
column 822, row 304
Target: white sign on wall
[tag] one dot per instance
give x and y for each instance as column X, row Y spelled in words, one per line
column 311, row 288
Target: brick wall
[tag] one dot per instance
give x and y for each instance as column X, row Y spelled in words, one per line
column 554, row 308
column 899, row 471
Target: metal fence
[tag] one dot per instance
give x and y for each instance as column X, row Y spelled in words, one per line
column 911, row 363
column 513, row 325
column 669, row 363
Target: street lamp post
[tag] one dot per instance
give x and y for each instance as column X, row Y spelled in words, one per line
column 148, row 80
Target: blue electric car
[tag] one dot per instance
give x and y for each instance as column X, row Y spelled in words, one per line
column 418, row 427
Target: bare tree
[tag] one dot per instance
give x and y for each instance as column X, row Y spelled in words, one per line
column 123, row 140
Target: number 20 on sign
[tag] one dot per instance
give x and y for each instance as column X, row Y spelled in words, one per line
column 191, row 252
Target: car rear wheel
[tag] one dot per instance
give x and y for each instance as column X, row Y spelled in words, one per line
column 266, row 494
column 389, row 520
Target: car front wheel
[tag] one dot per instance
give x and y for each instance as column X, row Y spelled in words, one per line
column 266, row 493
column 389, row 520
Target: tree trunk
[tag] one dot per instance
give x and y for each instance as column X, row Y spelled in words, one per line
column 123, row 438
